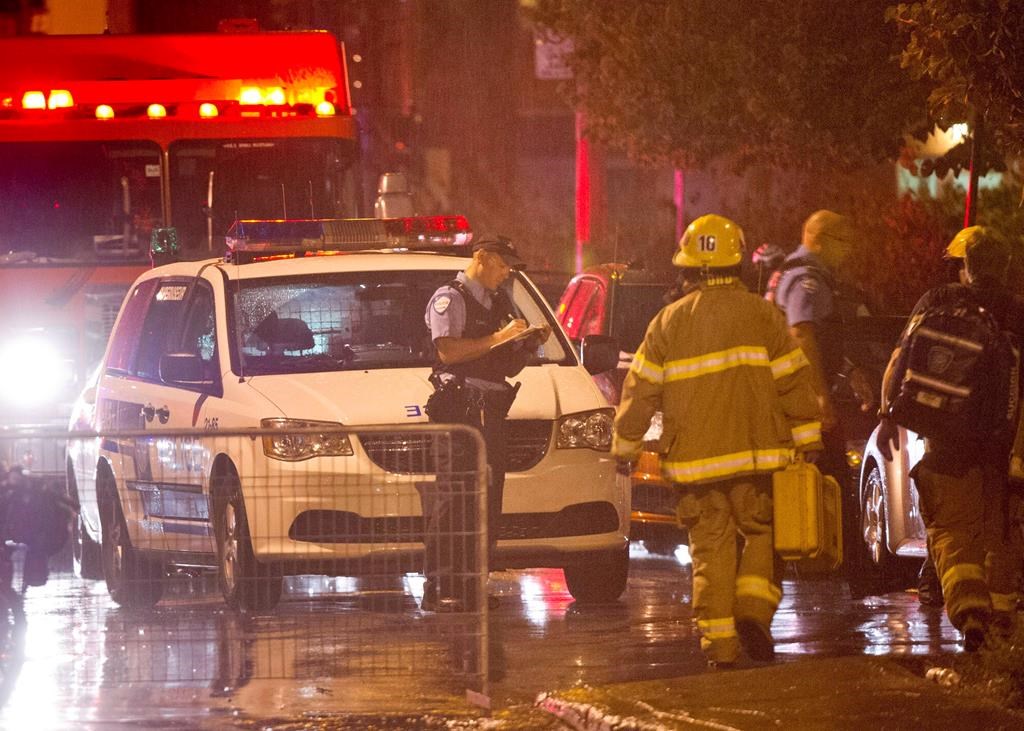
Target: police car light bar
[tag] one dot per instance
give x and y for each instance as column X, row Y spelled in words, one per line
column 251, row 239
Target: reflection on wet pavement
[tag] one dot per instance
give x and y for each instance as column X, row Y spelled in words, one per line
column 346, row 645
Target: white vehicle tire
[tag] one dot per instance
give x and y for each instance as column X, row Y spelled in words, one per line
column 86, row 555
column 133, row 580
column 601, row 579
column 245, row 583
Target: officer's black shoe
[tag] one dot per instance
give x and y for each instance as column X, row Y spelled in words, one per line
column 756, row 640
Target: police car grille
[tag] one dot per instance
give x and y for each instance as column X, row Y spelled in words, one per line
column 528, row 441
column 406, row 454
column 415, row 454
column 335, row 526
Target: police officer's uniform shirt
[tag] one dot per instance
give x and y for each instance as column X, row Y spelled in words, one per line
column 803, row 293
column 446, row 315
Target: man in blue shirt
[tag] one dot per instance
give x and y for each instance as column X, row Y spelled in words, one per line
column 818, row 308
column 472, row 324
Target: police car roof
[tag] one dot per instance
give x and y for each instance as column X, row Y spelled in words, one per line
column 356, row 261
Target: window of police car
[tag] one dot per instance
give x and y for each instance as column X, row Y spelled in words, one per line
column 161, row 317
column 351, row 320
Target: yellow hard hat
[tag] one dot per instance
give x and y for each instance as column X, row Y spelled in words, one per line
column 957, row 248
column 710, row 241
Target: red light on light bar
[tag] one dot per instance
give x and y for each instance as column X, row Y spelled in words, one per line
column 427, row 225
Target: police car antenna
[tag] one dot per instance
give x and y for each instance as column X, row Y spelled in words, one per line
column 284, row 204
column 312, row 212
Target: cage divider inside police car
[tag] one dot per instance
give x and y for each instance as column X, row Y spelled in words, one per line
column 190, row 636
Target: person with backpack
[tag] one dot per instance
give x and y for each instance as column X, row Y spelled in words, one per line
column 736, row 395
column 954, row 380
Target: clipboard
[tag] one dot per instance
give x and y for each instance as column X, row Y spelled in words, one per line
column 528, row 332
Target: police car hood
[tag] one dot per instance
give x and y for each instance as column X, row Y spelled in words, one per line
column 398, row 395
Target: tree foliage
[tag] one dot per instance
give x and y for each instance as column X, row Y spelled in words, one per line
column 789, row 84
column 972, row 56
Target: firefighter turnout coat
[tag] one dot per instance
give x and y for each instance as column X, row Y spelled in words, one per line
column 736, row 398
column 733, row 387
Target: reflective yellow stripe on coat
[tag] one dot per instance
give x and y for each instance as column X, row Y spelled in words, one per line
column 809, row 433
column 758, row 460
column 679, row 370
column 645, row 369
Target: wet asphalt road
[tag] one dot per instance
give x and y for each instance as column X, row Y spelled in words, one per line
column 340, row 645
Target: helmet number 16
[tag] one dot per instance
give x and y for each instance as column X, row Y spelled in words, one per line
column 706, row 242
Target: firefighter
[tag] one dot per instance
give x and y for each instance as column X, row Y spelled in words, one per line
column 968, row 508
column 737, row 400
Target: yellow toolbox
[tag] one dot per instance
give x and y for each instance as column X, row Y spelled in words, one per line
column 808, row 517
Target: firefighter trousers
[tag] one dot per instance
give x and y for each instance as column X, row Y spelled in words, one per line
column 971, row 517
column 729, row 519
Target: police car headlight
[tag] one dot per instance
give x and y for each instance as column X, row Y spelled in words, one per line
column 33, row 371
column 586, row 430
column 297, row 440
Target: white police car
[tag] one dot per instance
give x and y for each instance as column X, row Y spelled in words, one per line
column 318, row 324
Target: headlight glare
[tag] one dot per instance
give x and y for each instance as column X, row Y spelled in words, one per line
column 586, row 430
column 33, row 371
column 296, row 442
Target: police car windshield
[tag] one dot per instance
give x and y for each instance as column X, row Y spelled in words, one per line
column 351, row 321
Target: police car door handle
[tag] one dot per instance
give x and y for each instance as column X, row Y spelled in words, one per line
column 149, row 411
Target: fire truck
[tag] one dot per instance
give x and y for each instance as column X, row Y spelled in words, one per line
column 109, row 140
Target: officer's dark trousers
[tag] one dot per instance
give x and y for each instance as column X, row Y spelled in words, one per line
column 450, row 506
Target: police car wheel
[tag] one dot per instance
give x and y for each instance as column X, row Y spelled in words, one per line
column 133, row 580
column 871, row 568
column 86, row 556
column 85, row 553
column 599, row 580
column 244, row 582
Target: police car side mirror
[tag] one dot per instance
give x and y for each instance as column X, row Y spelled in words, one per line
column 186, row 369
column 599, row 353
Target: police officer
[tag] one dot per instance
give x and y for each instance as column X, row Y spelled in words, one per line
column 473, row 325
column 968, row 509
column 737, row 400
column 818, row 306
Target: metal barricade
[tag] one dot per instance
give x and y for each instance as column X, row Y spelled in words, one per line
column 278, row 553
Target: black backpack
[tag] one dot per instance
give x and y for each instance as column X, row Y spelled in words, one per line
column 956, row 378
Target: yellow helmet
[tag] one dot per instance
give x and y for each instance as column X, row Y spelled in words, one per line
column 957, row 248
column 710, row 241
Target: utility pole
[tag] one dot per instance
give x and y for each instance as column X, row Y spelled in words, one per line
column 971, row 201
